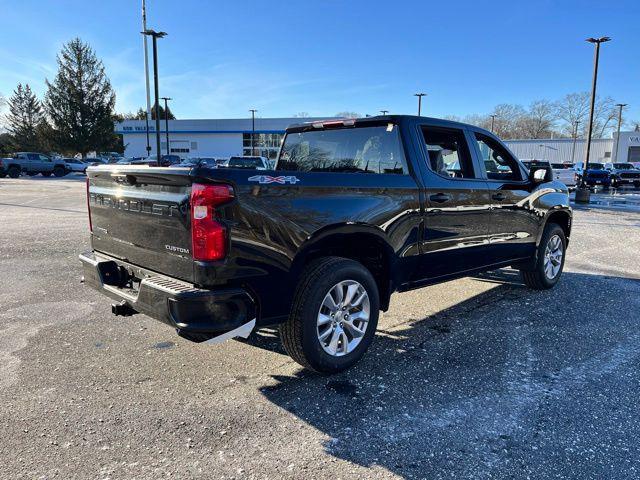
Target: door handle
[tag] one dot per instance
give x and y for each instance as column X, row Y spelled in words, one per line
column 440, row 198
column 498, row 196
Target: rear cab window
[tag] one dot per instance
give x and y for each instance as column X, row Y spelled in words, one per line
column 366, row 149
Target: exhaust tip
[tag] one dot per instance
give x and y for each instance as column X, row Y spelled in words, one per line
column 122, row 309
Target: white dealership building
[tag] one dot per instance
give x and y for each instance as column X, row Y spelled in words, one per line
column 217, row 138
column 565, row 150
column 222, row 138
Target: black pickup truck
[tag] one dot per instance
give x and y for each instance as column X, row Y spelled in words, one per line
column 354, row 211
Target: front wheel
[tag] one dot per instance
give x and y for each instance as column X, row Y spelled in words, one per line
column 334, row 315
column 550, row 259
column 59, row 172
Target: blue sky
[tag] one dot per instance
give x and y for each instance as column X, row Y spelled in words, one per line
column 325, row 56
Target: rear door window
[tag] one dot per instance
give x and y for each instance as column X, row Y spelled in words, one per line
column 448, row 152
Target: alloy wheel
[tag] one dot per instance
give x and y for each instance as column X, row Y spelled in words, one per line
column 553, row 257
column 343, row 318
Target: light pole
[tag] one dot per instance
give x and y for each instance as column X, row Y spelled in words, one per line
column 615, row 152
column 419, row 95
column 147, row 113
column 166, row 120
column 583, row 194
column 155, row 35
column 384, row 112
column 575, row 136
column 253, row 130
column 493, row 119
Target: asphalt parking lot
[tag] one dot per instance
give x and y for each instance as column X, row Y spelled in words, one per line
column 474, row 378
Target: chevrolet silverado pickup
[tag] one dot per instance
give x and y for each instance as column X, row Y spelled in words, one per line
column 33, row 163
column 354, row 211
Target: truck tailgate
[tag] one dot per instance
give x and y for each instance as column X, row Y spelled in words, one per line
column 141, row 215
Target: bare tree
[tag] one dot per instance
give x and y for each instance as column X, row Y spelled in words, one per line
column 539, row 120
column 348, row 114
column 575, row 107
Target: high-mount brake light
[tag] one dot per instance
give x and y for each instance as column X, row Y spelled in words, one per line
column 208, row 236
column 89, row 207
column 349, row 122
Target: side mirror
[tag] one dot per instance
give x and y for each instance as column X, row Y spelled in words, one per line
column 540, row 174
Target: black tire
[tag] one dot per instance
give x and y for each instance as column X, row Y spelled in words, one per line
column 2, row 174
column 45, row 174
column 299, row 334
column 59, row 172
column 536, row 277
column 14, row 172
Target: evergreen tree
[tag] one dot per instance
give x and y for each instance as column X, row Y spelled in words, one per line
column 80, row 101
column 25, row 114
column 140, row 114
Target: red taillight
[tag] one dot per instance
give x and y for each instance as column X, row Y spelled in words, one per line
column 208, row 237
column 89, row 207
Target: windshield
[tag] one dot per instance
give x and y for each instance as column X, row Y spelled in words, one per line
column 347, row 150
column 596, row 166
column 623, row 166
column 244, row 162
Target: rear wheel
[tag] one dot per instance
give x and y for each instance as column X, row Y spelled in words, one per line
column 59, row 172
column 14, row 172
column 334, row 315
column 550, row 259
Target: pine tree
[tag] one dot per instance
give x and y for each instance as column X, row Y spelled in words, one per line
column 80, row 101
column 140, row 114
column 25, row 114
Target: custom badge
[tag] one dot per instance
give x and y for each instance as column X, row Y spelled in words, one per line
column 264, row 179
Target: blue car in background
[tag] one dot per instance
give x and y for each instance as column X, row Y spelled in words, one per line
column 596, row 174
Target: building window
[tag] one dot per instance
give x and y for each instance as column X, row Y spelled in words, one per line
column 607, row 154
column 194, row 145
column 265, row 144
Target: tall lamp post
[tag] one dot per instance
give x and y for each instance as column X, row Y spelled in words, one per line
column 155, row 36
column 147, row 113
column 253, row 130
column 493, row 120
column 419, row 95
column 615, row 151
column 583, row 194
column 166, row 120
column 575, row 137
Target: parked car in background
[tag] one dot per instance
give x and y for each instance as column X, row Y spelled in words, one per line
column 199, row 162
column 165, row 160
column 76, row 165
column 33, row 163
column 596, row 174
column 256, row 163
column 3, row 169
column 623, row 174
column 137, row 161
column 565, row 173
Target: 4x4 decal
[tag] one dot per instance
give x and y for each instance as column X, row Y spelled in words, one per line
column 269, row 179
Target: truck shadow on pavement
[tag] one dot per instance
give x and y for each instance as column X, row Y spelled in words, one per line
column 496, row 385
